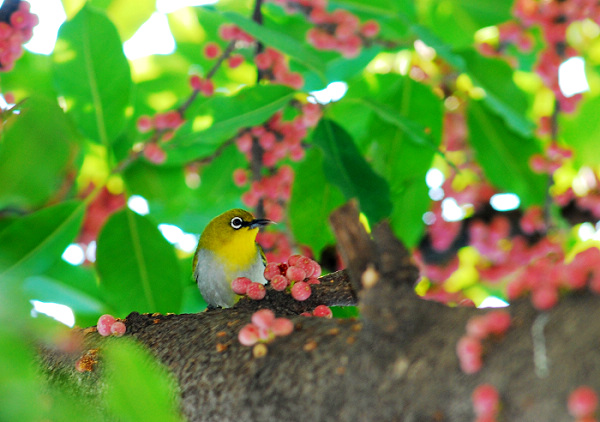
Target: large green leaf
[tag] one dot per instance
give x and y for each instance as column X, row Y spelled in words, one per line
column 92, row 74
column 581, row 131
column 86, row 308
column 456, row 21
column 138, row 387
column 405, row 134
column 32, row 244
column 502, row 96
column 36, row 149
column 504, row 155
column 313, row 199
column 137, row 266
column 345, row 167
column 221, row 117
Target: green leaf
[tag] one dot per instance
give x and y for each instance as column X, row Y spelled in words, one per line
column 347, row 169
column 456, row 21
column 504, row 156
column 137, row 266
column 405, row 133
column 47, row 289
column 443, row 49
column 92, row 74
column 502, row 96
column 280, row 41
column 36, row 149
column 580, row 130
column 32, row 75
column 33, row 243
column 217, row 192
column 221, row 117
column 138, row 387
column 128, row 16
column 415, row 132
column 379, row 8
column 312, row 201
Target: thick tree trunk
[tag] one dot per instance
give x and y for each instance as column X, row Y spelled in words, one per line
column 397, row 362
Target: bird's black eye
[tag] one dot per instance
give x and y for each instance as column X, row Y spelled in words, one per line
column 236, row 223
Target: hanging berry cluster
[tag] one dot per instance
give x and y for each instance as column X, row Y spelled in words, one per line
column 16, row 28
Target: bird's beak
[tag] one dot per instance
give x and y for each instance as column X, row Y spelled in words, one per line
column 259, row 222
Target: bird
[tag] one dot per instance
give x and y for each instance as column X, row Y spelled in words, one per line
column 227, row 249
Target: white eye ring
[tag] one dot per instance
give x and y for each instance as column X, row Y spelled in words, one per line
column 236, row 223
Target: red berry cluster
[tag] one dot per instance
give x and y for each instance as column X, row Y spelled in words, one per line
column 296, row 275
column 245, row 286
column 469, row 348
column 273, row 190
column 231, row 32
column 264, row 328
column 109, row 325
column 212, row 50
column 486, row 403
column 546, row 274
column 273, row 142
column 165, row 124
column 554, row 157
column 15, row 31
column 274, row 67
column 339, row 30
column 583, row 403
column 322, row 311
column 553, row 17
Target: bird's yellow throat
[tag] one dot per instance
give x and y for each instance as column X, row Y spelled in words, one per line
column 239, row 252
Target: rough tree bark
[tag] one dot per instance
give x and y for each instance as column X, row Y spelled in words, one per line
column 396, row 363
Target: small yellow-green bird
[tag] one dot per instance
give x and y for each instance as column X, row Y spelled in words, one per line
column 227, row 249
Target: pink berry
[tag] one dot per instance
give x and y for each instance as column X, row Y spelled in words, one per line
column 477, row 327
column 235, row 60
column 306, row 313
column 544, row 297
column 154, row 153
column 239, row 285
column 248, row 335
column 313, row 280
column 212, row 50
column 104, row 323
column 256, row 291
column 469, row 352
column 267, row 140
column 498, row 322
column 301, row 290
column 207, row 87
column 323, row 311
column 263, row 61
column 196, row 82
column 144, row 124
column 304, row 262
column 244, row 142
column 118, row 329
column 485, row 400
column 293, row 260
column 295, row 273
column 271, row 270
column 263, row 318
column 282, row 326
column 582, row 402
column 240, row 177
column 279, row 282
column 370, row 28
